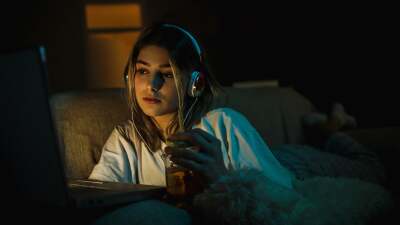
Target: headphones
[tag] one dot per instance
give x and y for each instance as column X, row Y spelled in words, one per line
column 197, row 79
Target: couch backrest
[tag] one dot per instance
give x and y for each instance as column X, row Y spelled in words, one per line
column 275, row 112
column 85, row 119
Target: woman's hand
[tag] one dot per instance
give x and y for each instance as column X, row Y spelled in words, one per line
column 204, row 157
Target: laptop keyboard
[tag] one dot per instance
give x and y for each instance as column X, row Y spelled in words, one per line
column 88, row 184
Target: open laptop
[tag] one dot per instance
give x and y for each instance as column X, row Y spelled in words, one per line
column 30, row 164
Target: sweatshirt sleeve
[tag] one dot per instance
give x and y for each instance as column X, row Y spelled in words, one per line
column 117, row 161
column 243, row 147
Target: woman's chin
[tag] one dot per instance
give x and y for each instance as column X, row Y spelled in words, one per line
column 157, row 112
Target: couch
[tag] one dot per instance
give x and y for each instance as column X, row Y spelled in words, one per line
column 84, row 119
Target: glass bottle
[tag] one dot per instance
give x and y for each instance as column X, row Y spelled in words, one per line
column 182, row 184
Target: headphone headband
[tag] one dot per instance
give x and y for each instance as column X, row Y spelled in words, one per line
column 195, row 43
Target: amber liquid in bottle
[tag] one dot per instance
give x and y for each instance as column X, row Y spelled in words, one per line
column 182, row 184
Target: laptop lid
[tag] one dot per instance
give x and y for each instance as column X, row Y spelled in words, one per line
column 30, row 157
column 29, row 152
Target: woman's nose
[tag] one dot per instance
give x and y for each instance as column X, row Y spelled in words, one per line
column 156, row 82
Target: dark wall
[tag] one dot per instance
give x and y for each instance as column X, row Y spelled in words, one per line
column 58, row 25
column 327, row 52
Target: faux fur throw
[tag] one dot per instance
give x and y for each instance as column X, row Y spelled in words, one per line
column 248, row 197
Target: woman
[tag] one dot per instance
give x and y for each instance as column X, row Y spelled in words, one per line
column 170, row 91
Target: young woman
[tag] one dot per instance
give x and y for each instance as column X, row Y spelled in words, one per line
column 170, row 91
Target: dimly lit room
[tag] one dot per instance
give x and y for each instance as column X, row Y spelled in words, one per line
column 253, row 112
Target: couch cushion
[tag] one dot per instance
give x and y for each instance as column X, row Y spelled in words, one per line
column 84, row 120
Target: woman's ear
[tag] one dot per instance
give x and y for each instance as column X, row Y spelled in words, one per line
column 196, row 84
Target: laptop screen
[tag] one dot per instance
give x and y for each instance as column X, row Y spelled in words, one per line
column 29, row 155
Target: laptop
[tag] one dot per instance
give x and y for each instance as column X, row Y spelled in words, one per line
column 30, row 164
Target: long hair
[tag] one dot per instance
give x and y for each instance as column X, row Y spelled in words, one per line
column 183, row 59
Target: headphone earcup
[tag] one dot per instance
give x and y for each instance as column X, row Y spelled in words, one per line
column 196, row 84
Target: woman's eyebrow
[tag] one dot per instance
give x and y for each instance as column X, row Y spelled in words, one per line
column 143, row 62
column 166, row 65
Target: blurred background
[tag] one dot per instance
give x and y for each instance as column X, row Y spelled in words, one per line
column 331, row 52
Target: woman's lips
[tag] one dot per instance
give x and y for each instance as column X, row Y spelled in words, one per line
column 151, row 100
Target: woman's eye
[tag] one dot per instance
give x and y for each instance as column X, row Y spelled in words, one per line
column 141, row 71
column 168, row 75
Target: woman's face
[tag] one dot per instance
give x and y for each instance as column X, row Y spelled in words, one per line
column 155, row 88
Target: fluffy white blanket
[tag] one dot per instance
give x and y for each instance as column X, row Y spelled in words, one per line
column 248, row 197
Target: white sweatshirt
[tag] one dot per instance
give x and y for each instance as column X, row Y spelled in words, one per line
column 125, row 159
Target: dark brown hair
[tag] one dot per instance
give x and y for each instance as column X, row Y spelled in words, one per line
column 184, row 58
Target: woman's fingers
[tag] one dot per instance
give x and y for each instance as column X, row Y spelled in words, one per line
column 208, row 161
column 211, row 144
column 189, row 164
column 190, row 137
column 199, row 137
column 205, row 135
column 187, row 155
